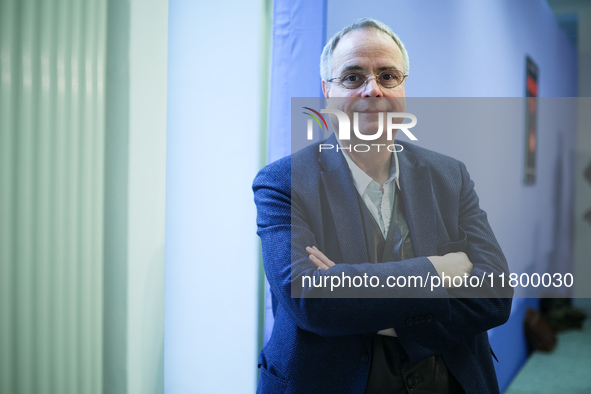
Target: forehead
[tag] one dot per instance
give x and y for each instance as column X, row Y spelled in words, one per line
column 366, row 48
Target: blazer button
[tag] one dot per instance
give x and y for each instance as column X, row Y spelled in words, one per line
column 364, row 358
column 408, row 322
column 429, row 318
column 411, row 382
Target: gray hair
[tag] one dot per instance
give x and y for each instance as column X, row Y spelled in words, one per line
column 363, row 23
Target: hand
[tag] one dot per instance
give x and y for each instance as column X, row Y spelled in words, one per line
column 318, row 258
column 452, row 265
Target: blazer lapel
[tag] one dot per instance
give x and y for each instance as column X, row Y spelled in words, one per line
column 419, row 203
column 344, row 206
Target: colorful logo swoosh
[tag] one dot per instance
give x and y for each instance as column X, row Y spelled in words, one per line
column 315, row 118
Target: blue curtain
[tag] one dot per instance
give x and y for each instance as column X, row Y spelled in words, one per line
column 299, row 34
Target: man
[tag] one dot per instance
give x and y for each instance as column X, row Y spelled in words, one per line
column 342, row 213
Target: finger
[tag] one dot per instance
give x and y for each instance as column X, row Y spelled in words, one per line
column 314, row 250
column 322, row 257
column 318, row 263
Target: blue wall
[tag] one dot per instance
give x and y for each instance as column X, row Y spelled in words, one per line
column 464, row 48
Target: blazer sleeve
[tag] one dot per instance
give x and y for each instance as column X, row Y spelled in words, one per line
column 472, row 311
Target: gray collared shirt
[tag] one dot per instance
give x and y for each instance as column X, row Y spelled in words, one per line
column 379, row 203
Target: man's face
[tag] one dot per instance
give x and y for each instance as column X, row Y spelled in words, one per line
column 368, row 51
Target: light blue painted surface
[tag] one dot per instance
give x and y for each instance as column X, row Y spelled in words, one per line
column 212, row 158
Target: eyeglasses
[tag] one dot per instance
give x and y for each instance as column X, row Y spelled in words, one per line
column 354, row 79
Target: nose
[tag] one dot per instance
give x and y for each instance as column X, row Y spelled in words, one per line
column 372, row 88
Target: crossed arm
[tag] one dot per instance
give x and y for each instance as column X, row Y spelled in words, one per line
column 454, row 264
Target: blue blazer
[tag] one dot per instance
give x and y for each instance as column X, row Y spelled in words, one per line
column 320, row 341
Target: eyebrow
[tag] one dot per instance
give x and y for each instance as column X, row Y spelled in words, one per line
column 359, row 68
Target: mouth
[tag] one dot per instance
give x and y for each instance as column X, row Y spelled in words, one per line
column 372, row 109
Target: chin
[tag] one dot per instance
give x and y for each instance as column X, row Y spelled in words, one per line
column 369, row 124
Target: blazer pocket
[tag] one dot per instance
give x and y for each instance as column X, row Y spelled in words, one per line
column 454, row 246
column 270, row 383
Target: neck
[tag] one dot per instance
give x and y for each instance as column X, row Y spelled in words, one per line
column 374, row 163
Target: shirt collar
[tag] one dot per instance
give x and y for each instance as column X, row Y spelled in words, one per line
column 361, row 180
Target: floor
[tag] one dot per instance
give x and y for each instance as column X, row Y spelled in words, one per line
column 567, row 369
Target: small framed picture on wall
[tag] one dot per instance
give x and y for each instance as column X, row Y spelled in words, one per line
column 531, row 111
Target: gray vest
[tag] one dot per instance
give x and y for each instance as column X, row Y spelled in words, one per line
column 398, row 245
column 386, row 374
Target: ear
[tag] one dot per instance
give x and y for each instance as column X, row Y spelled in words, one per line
column 325, row 88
